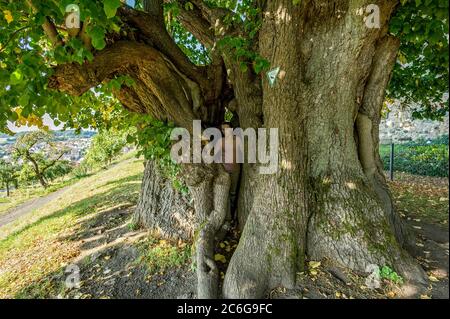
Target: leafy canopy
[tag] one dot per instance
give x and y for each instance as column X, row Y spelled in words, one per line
column 27, row 57
column 421, row 74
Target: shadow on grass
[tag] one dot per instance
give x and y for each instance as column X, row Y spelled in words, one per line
column 107, row 210
column 110, row 256
column 125, row 190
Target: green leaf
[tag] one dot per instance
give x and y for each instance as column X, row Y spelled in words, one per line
column 98, row 37
column 110, row 7
column 24, row 99
column 16, row 77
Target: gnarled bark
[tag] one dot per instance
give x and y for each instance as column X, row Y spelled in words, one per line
column 320, row 204
column 209, row 186
column 162, row 208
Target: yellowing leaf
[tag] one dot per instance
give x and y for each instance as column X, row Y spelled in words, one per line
column 313, row 272
column 314, row 264
column 433, row 278
column 221, row 258
column 391, row 294
column 8, row 16
column 162, row 242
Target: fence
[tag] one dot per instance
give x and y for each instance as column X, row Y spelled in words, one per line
column 426, row 158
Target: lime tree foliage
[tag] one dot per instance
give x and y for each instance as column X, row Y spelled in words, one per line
column 42, row 154
column 8, row 176
column 34, row 40
column 165, row 63
column 105, row 147
column 421, row 74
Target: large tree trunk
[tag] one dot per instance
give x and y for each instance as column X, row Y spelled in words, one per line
column 162, row 208
column 329, row 198
column 325, row 201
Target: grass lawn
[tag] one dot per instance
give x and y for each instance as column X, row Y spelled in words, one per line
column 40, row 243
column 25, row 194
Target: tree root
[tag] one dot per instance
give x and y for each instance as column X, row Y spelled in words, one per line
column 212, row 220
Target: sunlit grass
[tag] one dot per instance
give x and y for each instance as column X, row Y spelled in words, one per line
column 40, row 243
column 160, row 255
column 26, row 193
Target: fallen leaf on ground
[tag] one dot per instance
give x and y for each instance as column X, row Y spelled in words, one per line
column 314, row 264
column 433, row 278
column 221, row 258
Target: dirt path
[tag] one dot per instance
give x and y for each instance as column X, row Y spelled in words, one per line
column 29, row 206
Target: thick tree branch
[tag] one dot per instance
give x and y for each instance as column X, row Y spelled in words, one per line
column 154, row 7
column 156, row 35
column 213, row 15
column 196, row 24
column 160, row 88
column 49, row 27
column 205, row 23
column 76, row 79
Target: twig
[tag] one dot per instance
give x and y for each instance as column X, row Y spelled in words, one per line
column 13, row 35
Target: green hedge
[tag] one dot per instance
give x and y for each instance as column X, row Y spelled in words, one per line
column 428, row 158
